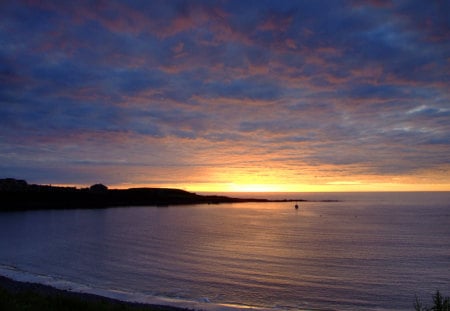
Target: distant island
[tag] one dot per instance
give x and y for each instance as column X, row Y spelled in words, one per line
column 16, row 194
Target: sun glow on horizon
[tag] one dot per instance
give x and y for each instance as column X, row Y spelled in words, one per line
column 248, row 183
column 332, row 187
column 257, row 188
column 260, row 188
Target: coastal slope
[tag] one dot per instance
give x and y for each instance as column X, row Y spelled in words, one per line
column 18, row 194
column 15, row 295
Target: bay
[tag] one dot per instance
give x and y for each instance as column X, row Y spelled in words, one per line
column 369, row 251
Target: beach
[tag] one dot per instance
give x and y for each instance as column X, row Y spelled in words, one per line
column 15, row 295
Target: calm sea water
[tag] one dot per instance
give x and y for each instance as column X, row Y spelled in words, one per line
column 371, row 251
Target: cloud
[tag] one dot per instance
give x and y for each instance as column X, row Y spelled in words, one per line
column 199, row 88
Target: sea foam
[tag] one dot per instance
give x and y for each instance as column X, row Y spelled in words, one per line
column 202, row 303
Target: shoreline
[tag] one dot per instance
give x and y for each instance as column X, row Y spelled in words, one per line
column 34, row 296
column 17, row 290
column 19, row 195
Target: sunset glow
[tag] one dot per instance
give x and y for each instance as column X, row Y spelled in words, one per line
column 239, row 96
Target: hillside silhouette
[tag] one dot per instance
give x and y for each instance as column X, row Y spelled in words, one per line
column 16, row 194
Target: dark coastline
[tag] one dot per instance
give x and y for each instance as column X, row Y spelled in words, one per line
column 16, row 295
column 19, row 195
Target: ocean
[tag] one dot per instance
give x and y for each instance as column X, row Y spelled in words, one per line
column 369, row 251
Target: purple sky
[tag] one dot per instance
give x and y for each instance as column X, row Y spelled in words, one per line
column 323, row 94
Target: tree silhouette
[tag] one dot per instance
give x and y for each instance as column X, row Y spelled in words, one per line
column 98, row 188
column 439, row 303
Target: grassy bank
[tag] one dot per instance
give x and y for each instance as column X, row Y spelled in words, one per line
column 34, row 301
column 35, row 297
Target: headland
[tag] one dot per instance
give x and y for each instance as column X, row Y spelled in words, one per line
column 16, row 194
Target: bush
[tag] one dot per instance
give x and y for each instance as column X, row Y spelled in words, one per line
column 439, row 303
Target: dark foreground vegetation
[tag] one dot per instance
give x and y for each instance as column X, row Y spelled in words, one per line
column 18, row 194
column 439, row 303
column 15, row 296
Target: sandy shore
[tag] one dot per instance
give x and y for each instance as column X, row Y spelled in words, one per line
column 14, row 287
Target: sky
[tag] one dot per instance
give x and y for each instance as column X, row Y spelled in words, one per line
column 259, row 95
